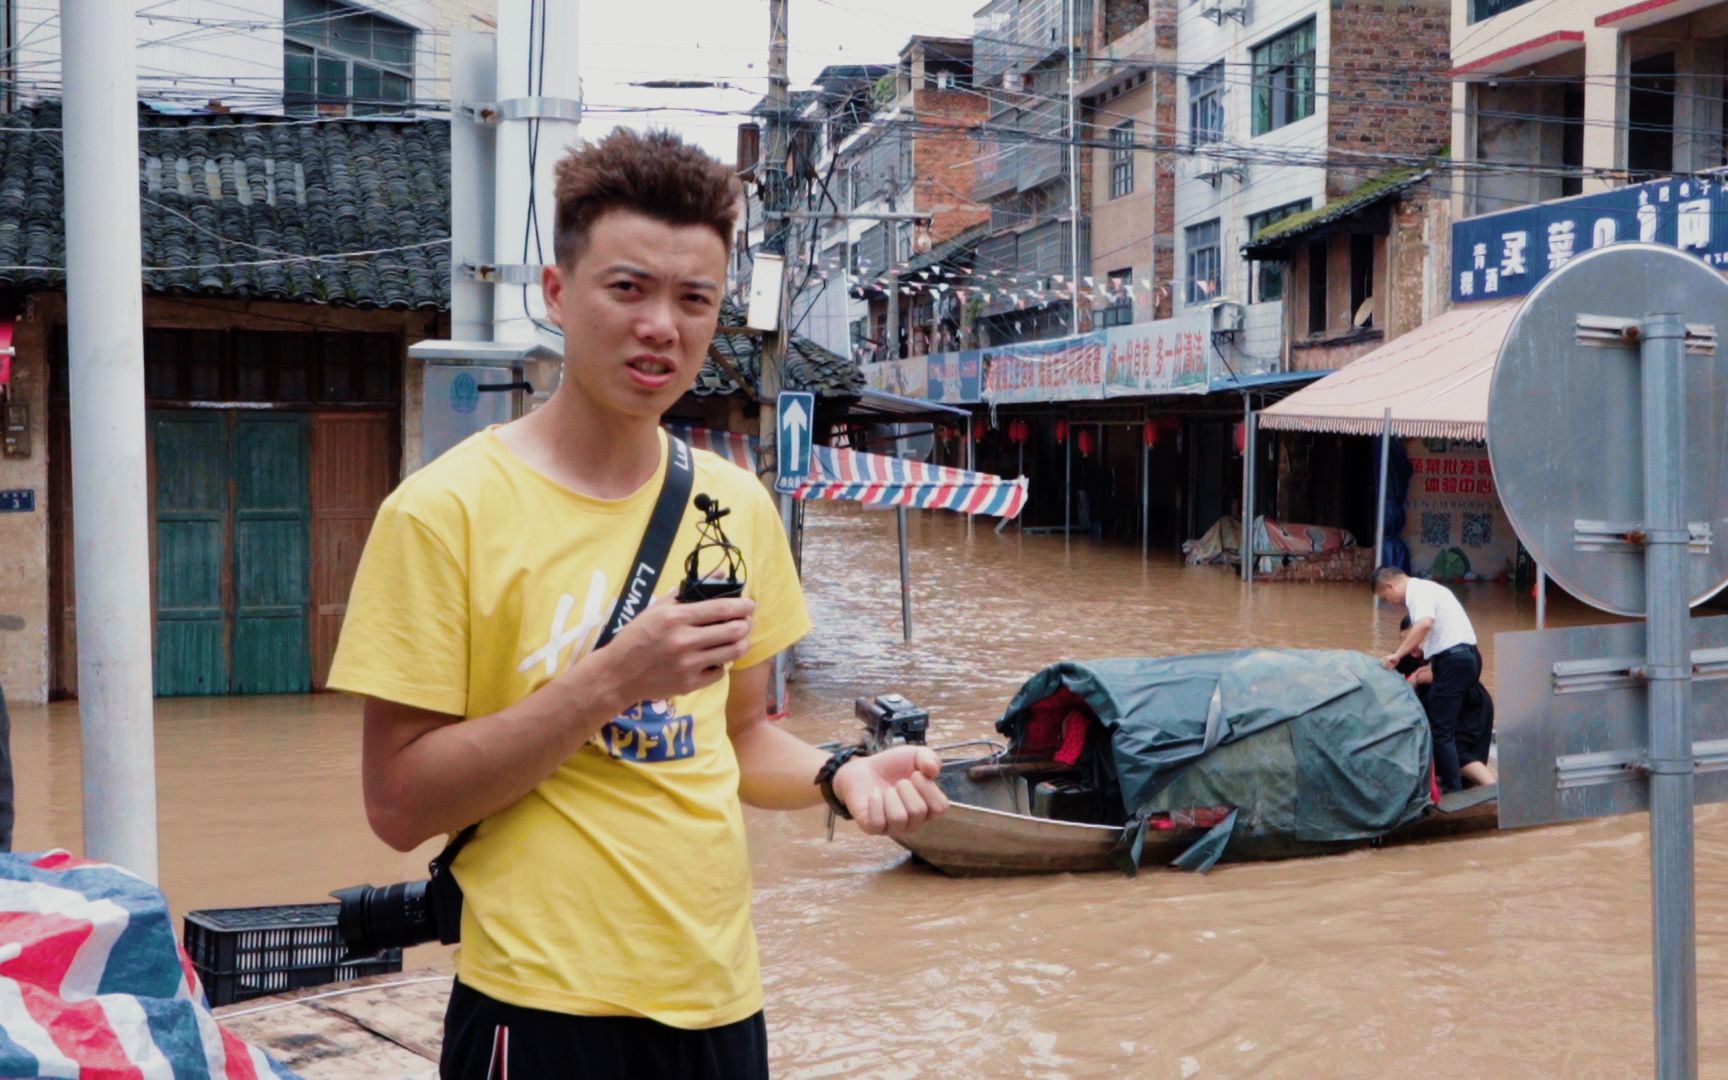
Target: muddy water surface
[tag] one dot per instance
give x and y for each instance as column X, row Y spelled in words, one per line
column 1520, row 954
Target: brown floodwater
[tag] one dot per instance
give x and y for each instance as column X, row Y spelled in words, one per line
column 1518, row 954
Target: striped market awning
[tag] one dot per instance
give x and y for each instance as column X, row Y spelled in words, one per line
column 1433, row 380
column 841, row 475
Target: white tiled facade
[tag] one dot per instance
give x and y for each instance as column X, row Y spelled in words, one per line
column 1231, row 201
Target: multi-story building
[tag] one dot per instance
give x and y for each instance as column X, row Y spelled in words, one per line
column 1129, row 93
column 1574, row 96
column 886, row 155
column 1022, row 52
column 1289, row 106
column 918, row 158
column 311, row 57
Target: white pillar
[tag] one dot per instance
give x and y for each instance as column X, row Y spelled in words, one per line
column 105, row 338
column 522, row 74
column 1604, row 105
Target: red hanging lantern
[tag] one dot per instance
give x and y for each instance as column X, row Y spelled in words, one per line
column 1084, row 442
column 1241, row 438
column 1149, row 431
column 1061, row 432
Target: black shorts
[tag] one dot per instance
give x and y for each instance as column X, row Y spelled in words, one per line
column 485, row 1039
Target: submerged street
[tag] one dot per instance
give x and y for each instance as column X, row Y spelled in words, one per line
column 1523, row 954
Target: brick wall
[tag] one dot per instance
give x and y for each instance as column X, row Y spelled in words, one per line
column 1407, row 256
column 24, row 610
column 945, row 163
column 1389, row 91
column 1121, row 16
column 1164, row 172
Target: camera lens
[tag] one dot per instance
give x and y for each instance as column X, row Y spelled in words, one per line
column 371, row 920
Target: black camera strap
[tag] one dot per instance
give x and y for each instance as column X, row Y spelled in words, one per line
column 643, row 575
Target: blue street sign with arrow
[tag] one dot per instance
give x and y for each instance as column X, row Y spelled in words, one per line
column 794, row 411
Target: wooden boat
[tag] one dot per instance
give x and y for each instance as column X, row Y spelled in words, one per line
column 381, row 1026
column 990, row 830
column 1251, row 754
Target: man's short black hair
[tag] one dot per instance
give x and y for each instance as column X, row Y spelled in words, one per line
column 1386, row 575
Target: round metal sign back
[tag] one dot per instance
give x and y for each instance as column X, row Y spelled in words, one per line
column 1566, row 429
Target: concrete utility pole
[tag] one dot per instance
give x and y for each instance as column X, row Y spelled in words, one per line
column 105, row 338
column 538, row 74
column 776, row 197
column 1073, row 174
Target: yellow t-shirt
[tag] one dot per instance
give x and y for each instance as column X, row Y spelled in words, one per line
column 620, row 885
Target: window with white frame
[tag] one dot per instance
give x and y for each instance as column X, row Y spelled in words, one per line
column 1122, row 159
column 1205, row 262
column 1284, row 79
column 1206, row 106
column 341, row 60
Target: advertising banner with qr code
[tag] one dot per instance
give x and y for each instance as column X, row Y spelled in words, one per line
column 1455, row 525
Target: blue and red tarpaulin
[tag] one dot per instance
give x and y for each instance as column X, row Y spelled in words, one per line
column 93, row 982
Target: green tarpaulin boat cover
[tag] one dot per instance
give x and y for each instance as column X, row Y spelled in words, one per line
column 1311, row 748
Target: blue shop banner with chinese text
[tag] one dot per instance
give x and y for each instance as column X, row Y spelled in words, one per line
column 1506, row 254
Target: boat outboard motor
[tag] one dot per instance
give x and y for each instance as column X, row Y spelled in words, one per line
column 891, row 719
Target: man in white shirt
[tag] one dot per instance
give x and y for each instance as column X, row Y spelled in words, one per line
column 1441, row 630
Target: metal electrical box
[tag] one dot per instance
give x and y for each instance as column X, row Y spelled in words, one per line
column 462, row 399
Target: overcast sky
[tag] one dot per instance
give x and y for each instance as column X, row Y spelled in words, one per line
column 636, row 40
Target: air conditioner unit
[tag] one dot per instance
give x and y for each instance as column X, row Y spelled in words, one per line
column 1227, row 317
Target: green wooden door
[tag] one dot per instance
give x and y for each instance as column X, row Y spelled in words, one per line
column 272, row 542
column 191, row 550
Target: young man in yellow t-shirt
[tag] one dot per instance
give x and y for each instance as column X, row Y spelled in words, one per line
column 606, row 926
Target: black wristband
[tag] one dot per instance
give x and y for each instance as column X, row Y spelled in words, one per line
column 825, row 778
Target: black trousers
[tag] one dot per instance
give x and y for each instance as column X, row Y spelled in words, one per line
column 485, row 1039
column 1456, row 673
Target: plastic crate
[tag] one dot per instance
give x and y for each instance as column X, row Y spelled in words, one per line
column 243, row 953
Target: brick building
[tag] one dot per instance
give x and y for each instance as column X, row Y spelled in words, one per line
column 921, row 159
column 1026, row 174
column 1129, row 96
column 1292, row 105
column 881, row 139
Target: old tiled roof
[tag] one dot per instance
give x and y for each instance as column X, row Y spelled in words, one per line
column 230, row 202
column 808, row 365
column 1281, row 234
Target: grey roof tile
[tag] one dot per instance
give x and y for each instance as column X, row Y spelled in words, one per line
column 808, row 365
column 226, row 189
column 233, row 192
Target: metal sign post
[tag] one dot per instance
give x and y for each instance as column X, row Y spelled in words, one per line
column 1607, row 429
column 1669, row 672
